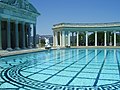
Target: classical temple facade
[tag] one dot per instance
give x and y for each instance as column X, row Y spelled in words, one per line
column 68, row 34
column 17, row 20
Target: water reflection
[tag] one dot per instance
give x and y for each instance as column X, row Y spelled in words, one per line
column 86, row 55
column 115, row 60
column 105, row 53
column 96, row 51
column 77, row 54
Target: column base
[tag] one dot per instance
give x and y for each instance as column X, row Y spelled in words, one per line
column 110, row 44
column 9, row 49
column 35, row 46
column 23, row 47
column 29, row 47
column 0, row 48
column 17, row 48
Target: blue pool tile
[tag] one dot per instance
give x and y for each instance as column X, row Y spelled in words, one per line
column 61, row 65
column 110, row 71
column 72, row 69
column 91, row 70
column 32, row 70
column 39, row 77
column 55, row 67
column 82, row 82
column 88, row 75
column 22, row 89
column 49, row 71
column 78, row 65
column 25, row 73
column 109, row 76
column 103, row 82
column 93, row 66
column 7, row 85
column 40, row 66
column 59, row 80
column 66, row 73
column 1, row 79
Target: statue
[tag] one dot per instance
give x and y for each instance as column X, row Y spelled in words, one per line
column 47, row 44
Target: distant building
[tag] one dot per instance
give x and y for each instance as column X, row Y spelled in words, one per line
column 16, row 19
column 67, row 34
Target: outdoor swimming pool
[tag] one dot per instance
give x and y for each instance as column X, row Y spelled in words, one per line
column 64, row 69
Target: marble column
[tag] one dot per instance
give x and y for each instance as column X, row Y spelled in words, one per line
column 8, row 36
column 60, row 39
column 34, row 35
column 72, row 38
column 105, row 40
column 23, row 35
column 114, row 38
column 29, row 36
column 77, row 38
column 95, row 38
column 63, row 38
column 54, row 38
column 0, row 34
column 68, row 38
column 16, row 36
column 86, row 38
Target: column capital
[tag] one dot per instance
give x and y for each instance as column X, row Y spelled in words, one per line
column 34, row 24
column 16, row 22
column 23, row 23
column 28, row 24
column 8, row 20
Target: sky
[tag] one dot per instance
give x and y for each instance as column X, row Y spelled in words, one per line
column 74, row 11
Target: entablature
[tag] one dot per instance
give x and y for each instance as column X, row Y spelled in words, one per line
column 11, row 11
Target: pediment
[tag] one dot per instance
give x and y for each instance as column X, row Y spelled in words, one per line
column 23, row 4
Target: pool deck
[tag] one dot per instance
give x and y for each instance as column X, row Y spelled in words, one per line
column 104, row 47
column 4, row 53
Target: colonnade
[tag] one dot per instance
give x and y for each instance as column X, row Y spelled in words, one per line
column 67, row 34
column 24, row 29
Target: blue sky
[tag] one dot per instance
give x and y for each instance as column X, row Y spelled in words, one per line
column 74, row 11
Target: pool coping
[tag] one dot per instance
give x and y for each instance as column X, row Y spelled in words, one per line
column 5, row 53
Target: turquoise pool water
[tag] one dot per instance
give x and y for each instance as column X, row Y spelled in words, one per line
column 64, row 69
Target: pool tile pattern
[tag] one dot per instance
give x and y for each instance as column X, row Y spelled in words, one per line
column 65, row 69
